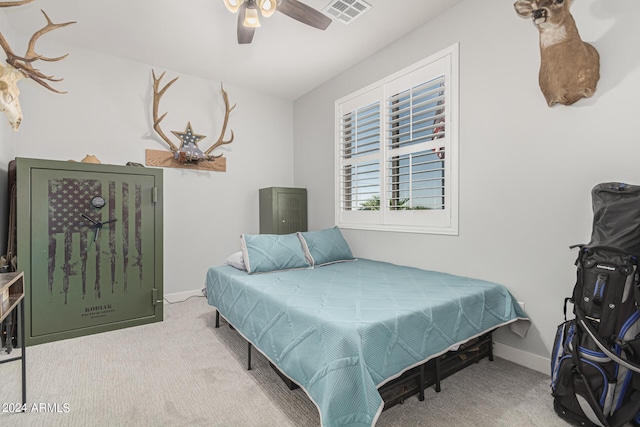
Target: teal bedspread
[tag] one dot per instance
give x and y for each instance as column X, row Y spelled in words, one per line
column 342, row 330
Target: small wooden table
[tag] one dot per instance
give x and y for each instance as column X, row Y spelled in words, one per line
column 12, row 296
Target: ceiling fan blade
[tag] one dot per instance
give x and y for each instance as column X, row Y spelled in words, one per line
column 303, row 13
column 245, row 34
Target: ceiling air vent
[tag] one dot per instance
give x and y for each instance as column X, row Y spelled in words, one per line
column 346, row 11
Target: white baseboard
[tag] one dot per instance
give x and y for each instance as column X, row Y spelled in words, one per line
column 181, row 296
column 524, row 358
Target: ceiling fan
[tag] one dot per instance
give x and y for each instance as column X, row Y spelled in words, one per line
column 248, row 15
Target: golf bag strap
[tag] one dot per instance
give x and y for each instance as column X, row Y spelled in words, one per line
column 588, row 327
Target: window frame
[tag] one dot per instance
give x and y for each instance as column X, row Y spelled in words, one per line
column 437, row 221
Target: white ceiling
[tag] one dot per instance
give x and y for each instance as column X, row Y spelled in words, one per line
column 198, row 37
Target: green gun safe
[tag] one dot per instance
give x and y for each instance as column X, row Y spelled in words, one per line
column 282, row 210
column 89, row 241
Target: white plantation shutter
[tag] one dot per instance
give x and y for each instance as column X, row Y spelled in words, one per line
column 397, row 150
column 416, row 120
column 360, row 156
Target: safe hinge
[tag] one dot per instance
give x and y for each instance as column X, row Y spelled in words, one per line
column 154, row 195
column 154, row 297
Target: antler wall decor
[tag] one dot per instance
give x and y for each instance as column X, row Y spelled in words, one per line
column 188, row 155
column 14, row 3
column 19, row 67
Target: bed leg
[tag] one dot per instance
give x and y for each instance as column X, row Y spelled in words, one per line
column 249, row 356
column 438, row 389
column 217, row 319
column 491, row 347
column 421, row 388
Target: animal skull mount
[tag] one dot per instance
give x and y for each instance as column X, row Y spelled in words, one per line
column 9, row 93
column 19, row 67
column 188, row 154
column 569, row 67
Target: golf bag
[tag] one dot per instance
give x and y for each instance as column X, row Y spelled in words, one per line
column 595, row 361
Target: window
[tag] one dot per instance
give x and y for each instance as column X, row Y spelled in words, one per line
column 397, row 150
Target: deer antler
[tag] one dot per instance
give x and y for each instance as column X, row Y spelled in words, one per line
column 14, row 3
column 221, row 140
column 157, row 94
column 24, row 63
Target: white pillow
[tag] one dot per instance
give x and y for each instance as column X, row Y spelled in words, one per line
column 236, row 260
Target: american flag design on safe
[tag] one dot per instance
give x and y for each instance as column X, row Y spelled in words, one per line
column 69, row 200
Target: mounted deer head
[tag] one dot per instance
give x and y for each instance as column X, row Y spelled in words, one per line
column 19, row 67
column 188, row 152
column 569, row 67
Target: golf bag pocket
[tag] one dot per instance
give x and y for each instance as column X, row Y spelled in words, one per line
column 583, row 379
column 605, row 288
column 582, row 386
column 561, row 347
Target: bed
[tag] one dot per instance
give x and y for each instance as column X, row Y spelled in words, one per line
column 341, row 330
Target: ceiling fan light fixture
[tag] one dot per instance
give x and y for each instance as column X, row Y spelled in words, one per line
column 233, row 5
column 267, row 7
column 251, row 17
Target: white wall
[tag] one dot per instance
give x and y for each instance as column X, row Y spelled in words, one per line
column 107, row 113
column 526, row 170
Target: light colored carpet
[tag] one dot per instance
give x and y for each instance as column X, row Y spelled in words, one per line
column 183, row 372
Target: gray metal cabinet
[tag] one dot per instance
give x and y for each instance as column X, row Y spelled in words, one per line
column 89, row 240
column 283, row 210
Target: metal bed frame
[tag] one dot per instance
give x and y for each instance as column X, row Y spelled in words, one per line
column 417, row 379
